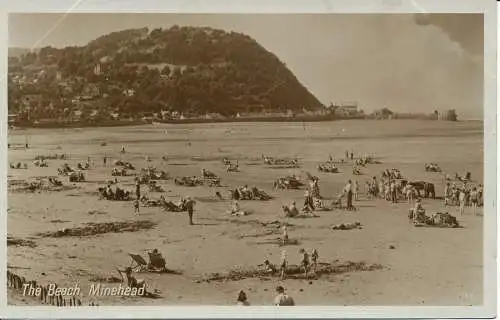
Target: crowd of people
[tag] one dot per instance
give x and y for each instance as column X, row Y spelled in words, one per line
column 389, row 186
column 466, row 195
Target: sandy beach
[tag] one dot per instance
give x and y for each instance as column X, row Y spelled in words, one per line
column 418, row 266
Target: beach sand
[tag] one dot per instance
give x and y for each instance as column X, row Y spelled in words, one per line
column 420, row 266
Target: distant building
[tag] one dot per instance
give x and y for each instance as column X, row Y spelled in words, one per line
column 346, row 109
column 447, row 115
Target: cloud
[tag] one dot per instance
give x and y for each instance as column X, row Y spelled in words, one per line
column 466, row 29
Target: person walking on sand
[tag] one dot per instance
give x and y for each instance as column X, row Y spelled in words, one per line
column 104, row 159
column 190, row 208
column 283, row 299
column 461, row 200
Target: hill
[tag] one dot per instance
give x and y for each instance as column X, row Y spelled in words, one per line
column 188, row 70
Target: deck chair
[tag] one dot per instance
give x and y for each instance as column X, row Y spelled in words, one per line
column 138, row 263
column 156, row 261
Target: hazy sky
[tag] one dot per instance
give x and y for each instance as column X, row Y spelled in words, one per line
column 394, row 60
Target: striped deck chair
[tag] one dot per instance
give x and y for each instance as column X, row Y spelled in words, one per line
column 138, row 263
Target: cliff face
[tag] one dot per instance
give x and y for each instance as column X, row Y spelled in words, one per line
column 185, row 69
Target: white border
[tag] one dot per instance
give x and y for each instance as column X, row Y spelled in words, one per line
column 488, row 7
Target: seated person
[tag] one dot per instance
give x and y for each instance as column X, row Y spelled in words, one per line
column 235, row 208
column 156, row 259
column 245, row 192
column 292, row 210
column 418, row 211
column 269, row 267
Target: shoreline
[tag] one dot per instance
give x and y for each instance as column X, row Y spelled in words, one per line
column 118, row 123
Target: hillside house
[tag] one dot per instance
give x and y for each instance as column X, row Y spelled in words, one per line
column 97, row 69
column 91, row 90
column 31, row 100
column 76, row 115
column 129, row 92
column 12, row 118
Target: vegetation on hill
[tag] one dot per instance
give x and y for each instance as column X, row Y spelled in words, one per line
column 193, row 71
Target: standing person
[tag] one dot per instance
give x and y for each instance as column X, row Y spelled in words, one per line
column 356, row 190
column 480, row 195
column 305, row 261
column 375, row 186
column 242, row 299
column 190, row 207
column 394, row 197
column 315, row 188
column 285, row 235
column 282, row 299
column 104, row 160
column 447, row 194
column 109, row 192
column 474, row 200
column 347, row 154
column 123, row 148
column 381, row 189
column 348, row 193
column 283, row 265
column 136, row 205
column 352, row 155
column 461, row 200
column 138, row 189
column 314, row 259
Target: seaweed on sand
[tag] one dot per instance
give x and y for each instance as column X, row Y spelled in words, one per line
column 92, row 228
column 293, row 271
column 11, row 241
column 38, row 184
column 110, row 279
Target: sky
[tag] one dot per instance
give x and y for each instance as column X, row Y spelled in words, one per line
column 406, row 62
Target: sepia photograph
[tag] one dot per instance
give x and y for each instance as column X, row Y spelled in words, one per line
column 180, row 159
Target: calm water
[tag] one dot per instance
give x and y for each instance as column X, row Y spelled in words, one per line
column 453, row 144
